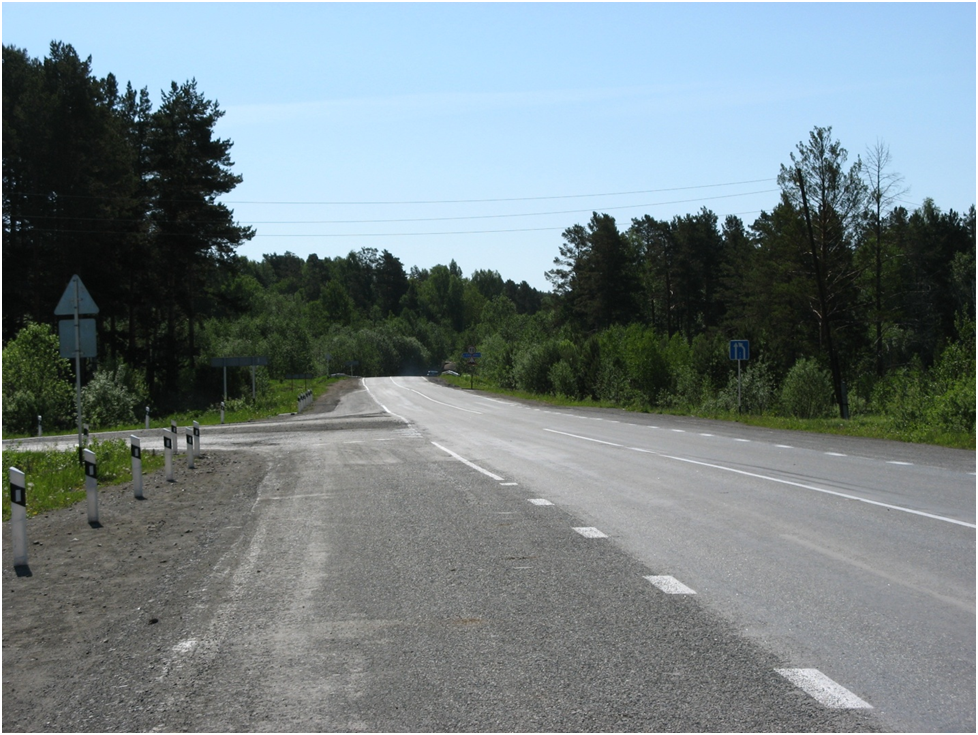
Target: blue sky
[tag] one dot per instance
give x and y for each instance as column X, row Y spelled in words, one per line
column 390, row 125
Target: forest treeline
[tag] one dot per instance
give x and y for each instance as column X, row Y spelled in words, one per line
column 853, row 304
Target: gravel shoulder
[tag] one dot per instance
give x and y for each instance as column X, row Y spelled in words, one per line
column 94, row 601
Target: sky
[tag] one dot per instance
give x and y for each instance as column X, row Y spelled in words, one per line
column 480, row 132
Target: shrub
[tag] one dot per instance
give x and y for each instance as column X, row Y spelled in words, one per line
column 563, row 379
column 807, row 392
column 757, row 390
column 111, row 397
column 531, row 368
column 36, row 381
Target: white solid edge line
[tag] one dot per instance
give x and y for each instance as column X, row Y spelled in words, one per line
column 386, row 410
column 776, row 479
column 540, row 501
column 670, row 585
column 440, row 403
column 585, row 438
column 464, row 461
column 824, row 490
column 821, row 688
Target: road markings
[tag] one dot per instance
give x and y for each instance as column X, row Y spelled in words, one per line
column 836, row 454
column 509, row 484
column 903, row 464
column 821, row 688
column 670, row 585
column 440, row 403
column 386, row 410
column 186, row 646
column 293, row 497
column 784, row 446
column 540, row 501
column 775, row 479
column 585, row 438
column 474, row 466
column 823, row 490
column 590, row 532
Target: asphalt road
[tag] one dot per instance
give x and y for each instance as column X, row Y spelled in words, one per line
column 429, row 559
column 853, row 557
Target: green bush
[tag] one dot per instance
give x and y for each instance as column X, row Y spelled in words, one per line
column 757, row 391
column 531, row 368
column 563, row 379
column 807, row 391
column 112, row 396
column 36, row 381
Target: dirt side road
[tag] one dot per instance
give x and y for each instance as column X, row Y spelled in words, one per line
column 102, row 599
column 99, row 598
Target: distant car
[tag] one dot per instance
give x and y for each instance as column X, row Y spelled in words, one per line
column 432, row 373
column 450, row 372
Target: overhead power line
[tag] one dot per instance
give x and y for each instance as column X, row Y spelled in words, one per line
column 503, row 199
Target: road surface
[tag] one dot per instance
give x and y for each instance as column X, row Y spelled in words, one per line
column 430, row 559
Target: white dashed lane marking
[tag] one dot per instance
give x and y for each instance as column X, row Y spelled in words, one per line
column 540, row 501
column 670, row 585
column 590, row 532
column 821, row 688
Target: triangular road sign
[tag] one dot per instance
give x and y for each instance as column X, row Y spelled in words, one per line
column 76, row 290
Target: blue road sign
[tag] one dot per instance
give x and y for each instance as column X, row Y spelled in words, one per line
column 739, row 349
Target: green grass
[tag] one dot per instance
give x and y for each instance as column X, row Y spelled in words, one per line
column 56, row 479
column 870, row 426
column 281, row 398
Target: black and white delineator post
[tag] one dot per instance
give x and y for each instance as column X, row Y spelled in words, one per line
column 222, row 412
column 168, row 453
column 190, row 448
column 18, row 515
column 147, row 417
column 173, row 430
column 137, row 467
column 40, row 431
column 196, row 438
column 91, row 484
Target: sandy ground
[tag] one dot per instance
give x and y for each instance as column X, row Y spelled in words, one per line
column 92, row 597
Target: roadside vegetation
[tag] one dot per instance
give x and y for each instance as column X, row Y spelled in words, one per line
column 858, row 305
column 55, row 478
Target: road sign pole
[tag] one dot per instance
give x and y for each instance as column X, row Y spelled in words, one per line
column 78, row 352
column 738, row 386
